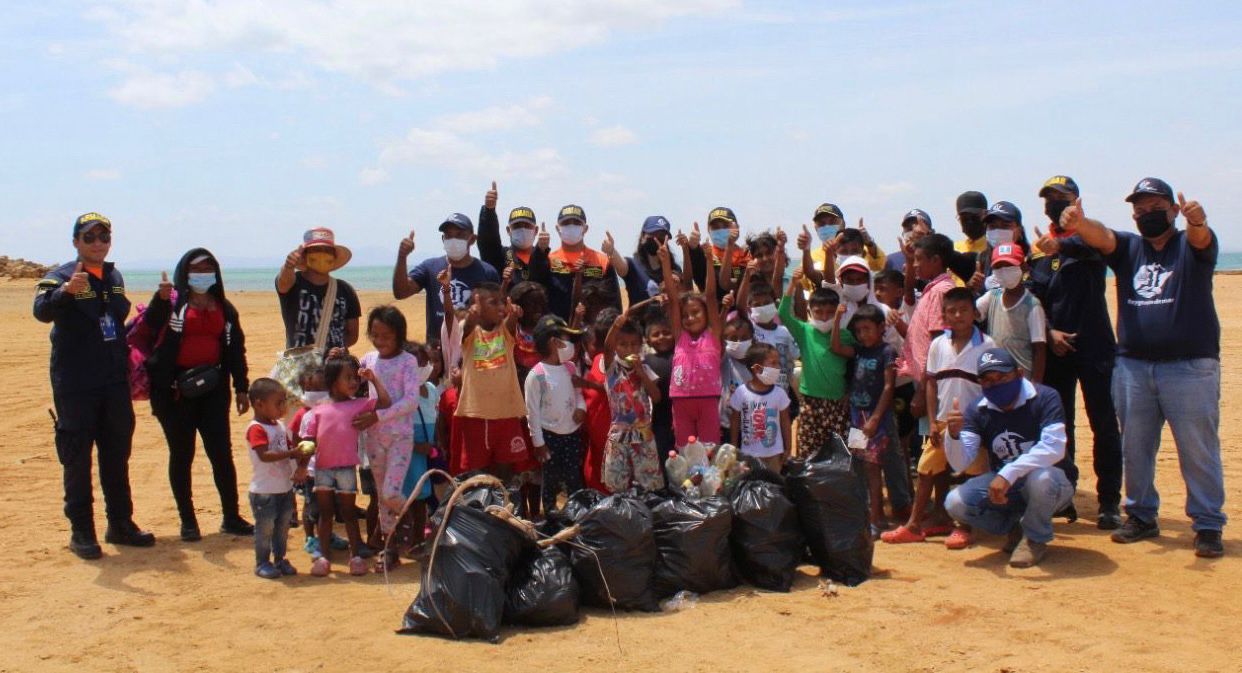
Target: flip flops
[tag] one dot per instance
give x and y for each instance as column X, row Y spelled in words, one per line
column 960, row 538
column 902, row 535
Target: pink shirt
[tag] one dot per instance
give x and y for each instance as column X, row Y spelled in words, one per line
column 331, row 426
column 928, row 317
column 696, row 366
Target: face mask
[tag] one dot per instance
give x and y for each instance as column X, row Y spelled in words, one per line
column 565, row 351
column 627, row 362
column 999, row 237
column 1053, row 210
column 737, row 349
column 972, row 226
column 1153, row 224
column 523, row 238
column 571, row 234
column 320, row 262
column 769, row 375
column 201, row 282
column 314, row 397
column 455, row 248
column 1004, row 394
column 855, row 293
column 827, row 232
column 651, row 246
column 720, row 237
column 823, row 326
column 763, row 314
column 1008, row 277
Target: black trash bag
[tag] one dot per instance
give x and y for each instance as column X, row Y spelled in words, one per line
column 617, row 528
column 578, row 504
column 543, row 591
column 692, row 537
column 766, row 538
column 830, row 491
column 476, row 556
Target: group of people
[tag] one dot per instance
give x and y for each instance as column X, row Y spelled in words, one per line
column 558, row 369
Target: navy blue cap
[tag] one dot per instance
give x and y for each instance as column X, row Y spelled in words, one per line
column 916, row 213
column 459, row 221
column 1059, row 183
column 828, row 209
column 1004, row 210
column 522, row 214
column 722, row 213
column 995, row 360
column 88, row 220
column 1154, row 186
column 973, row 203
column 571, row 212
column 655, row 224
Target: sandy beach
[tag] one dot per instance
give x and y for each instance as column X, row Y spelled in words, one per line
column 1091, row 606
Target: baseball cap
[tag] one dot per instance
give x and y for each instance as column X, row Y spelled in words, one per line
column 972, row 202
column 88, row 220
column 459, row 221
column 656, row 223
column 854, row 262
column 571, row 212
column 522, row 214
column 1059, row 183
column 916, row 213
column 722, row 213
column 828, row 209
column 552, row 325
column 1004, row 210
column 1154, row 186
column 1008, row 253
column 995, row 360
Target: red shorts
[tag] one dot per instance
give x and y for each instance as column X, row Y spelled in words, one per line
column 479, row 443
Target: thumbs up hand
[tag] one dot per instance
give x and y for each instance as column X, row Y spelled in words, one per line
column 406, row 246
column 696, row 236
column 976, row 279
column 1192, row 211
column 166, row 287
column 489, row 200
column 1072, row 217
column 608, row 247
column 781, row 238
column 78, row 282
column 544, row 241
column 804, row 239
column 954, row 419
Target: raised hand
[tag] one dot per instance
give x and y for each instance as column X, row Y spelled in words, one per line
column 579, row 313
column 696, row 236
column 166, row 289
column 78, row 282
column 976, row 279
column 841, row 309
column 1045, row 243
column 752, row 267
column 798, row 274
column 1072, row 217
column 954, row 420
column 735, row 232
column 294, row 259
column 366, row 374
column 1192, row 211
column 664, row 255
column 544, row 241
column 445, row 277
column 804, row 239
column 507, row 276
column 782, row 239
column 406, row 246
column 512, row 310
column 489, row 199
column 608, row 247
column 726, row 304
column 862, row 228
column 680, row 239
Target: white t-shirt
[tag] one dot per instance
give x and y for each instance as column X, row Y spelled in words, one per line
column 1005, row 326
column 760, row 427
column 275, row 477
column 551, row 400
column 780, row 338
column 956, row 374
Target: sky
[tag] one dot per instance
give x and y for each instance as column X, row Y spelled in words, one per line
column 238, row 124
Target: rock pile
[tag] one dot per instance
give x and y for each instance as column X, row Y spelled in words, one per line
column 20, row 268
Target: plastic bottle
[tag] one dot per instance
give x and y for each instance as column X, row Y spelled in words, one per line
column 695, row 452
column 682, row 600
column 726, row 459
column 677, row 467
column 711, row 482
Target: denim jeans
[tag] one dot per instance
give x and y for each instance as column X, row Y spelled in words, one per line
column 1186, row 393
column 1032, row 502
column 896, row 469
column 272, row 512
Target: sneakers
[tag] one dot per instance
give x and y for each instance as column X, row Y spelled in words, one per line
column 84, row 545
column 1027, row 554
column 339, row 543
column 357, row 566
column 1135, row 529
column 127, row 533
column 1109, row 518
column 235, row 525
column 312, row 546
column 1068, row 512
column 286, row 568
column 267, row 571
column 190, row 531
column 320, row 567
column 1208, row 544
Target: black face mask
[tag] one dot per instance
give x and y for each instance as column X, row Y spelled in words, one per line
column 972, row 226
column 1154, row 224
column 651, row 246
column 1053, row 210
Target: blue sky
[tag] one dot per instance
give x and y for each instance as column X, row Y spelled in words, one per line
column 238, row 124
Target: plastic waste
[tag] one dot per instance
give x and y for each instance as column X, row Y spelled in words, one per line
column 617, row 530
column 543, row 591
column 725, row 459
column 695, row 452
column 830, row 492
column 682, row 600
column 677, row 467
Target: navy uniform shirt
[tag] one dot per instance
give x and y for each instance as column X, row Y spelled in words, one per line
column 1025, row 438
column 89, row 350
column 1070, row 286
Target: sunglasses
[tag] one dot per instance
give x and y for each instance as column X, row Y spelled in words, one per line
column 90, row 237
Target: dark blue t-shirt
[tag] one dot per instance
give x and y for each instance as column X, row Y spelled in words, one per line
column 464, row 282
column 1008, row 434
column 1165, row 309
column 870, row 365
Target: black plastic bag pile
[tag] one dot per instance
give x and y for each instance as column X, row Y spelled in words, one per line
column 614, row 554
column 543, row 591
column 766, row 537
column 692, row 538
column 830, row 492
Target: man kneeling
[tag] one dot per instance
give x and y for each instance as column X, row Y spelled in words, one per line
column 1023, row 426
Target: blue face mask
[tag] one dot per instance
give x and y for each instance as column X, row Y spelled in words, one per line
column 827, row 232
column 1004, row 394
column 720, row 237
column 201, row 282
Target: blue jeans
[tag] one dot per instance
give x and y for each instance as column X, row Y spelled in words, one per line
column 1186, row 393
column 272, row 512
column 1032, row 502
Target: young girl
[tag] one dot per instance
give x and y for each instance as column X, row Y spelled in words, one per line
column 425, row 419
column 314, row 393
column 695, row 388
column 331, row 427
column 556, row 410
column 631, row 456
column 759, row 410
column 388, row 437
column 739, row 334
column 532, row 298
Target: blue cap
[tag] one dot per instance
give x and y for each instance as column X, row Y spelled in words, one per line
column 1004, row 210
column 916, row 213
column 655, row 224
column 1154, row 186
column 995, row 360
column 1063, row 184
column 458, row 221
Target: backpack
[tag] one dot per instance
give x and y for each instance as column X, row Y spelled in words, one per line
column 142, row 341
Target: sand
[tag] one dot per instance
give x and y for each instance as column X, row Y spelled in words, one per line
column 1091, row 606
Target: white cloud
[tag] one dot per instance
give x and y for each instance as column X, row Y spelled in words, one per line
column 103, row 174
column 613, row 136
column 499, row 118
column 372, row 176
column 145, row 89
column 240, row 76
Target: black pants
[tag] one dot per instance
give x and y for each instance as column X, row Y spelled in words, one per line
column 182, row 421
column 1065, row 374
column 563, row 469
column 104, row 418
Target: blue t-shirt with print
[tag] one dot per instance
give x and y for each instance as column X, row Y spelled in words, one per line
column 870, row 364
column 1005, row 435
column 462, row 285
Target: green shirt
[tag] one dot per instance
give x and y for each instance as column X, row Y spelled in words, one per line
column 823, row 372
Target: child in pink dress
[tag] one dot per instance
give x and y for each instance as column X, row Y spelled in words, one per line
column 695, row 385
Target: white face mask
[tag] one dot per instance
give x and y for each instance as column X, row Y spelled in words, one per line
column 565, row 351
column 737, row 349
column 769, row 375
column 999, row 237
column 763, row 314
column 522, row 238
column 824, row 326
column 456, row 248
column 314, row 397
column 571, row 234
column 855, row 293
column 1008, row 277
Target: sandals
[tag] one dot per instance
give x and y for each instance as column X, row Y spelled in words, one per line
column 320, row 567
column 937, row 531
column 960, row 538
column 357, row 566
column 902, row 535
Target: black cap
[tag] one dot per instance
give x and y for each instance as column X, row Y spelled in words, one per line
column 722, row 213
column 1062, row 184
column 1004, row 210
column 972, row 202
column 552, row 325
column 1154, row 186
column 828, row 209
column 916, row 214
column 457, row 221
column 571, row 212
column 88, row 220
column 522, row 214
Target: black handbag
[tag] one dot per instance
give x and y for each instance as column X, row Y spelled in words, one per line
column 198, row 381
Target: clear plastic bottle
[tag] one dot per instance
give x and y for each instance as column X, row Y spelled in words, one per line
column 726, row 459
column 695, row 452
column 711, row 482
column 677, row 467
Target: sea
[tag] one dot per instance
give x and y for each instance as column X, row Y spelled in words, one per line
column 380, row 277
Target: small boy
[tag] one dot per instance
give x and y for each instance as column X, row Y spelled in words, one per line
column 759, row 422
column 950, row 375
column 734, row 371
column 275, row 468
column 1014, row 317
column 768, row 331
column 555, row 409
column 824, row 407
column 660, row 342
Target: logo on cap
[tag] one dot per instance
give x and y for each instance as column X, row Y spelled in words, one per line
column 721, row 214
column 989, row 359
column 571, row 213
column 522, row 214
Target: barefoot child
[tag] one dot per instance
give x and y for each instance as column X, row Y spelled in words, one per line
column 276, row 466
column 695, row 386
column 631, row 457
column 759, row 418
